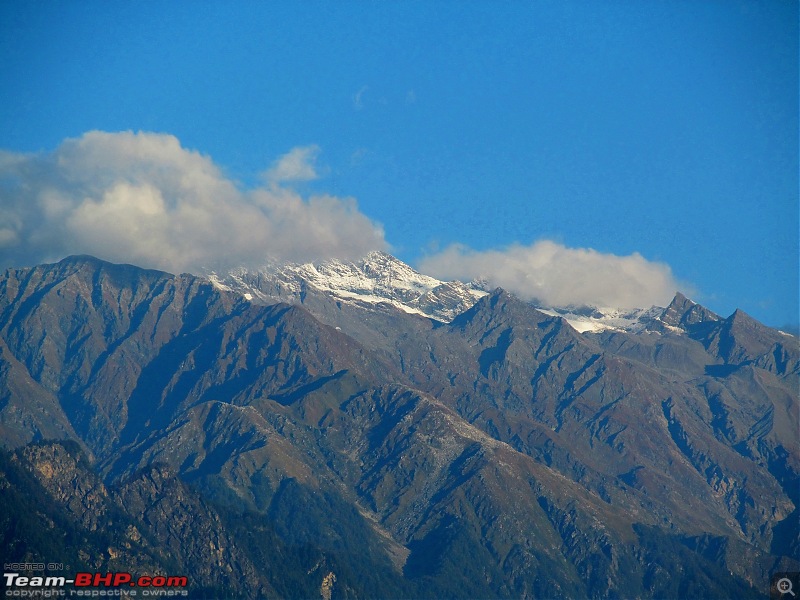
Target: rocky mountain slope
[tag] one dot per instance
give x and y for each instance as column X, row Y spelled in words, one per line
column 359, row 448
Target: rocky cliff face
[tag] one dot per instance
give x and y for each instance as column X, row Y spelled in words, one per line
column 351, row 450
column 151, row 524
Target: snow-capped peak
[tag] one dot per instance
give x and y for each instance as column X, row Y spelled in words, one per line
column 378, row 274
column 381, row 280
column 378, row 279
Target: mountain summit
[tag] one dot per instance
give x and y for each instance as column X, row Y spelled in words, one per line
column 377, row 279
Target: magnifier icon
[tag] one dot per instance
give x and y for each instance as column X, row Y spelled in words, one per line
column 784, row 586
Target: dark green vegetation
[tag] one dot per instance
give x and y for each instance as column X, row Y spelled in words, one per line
column 258, row 449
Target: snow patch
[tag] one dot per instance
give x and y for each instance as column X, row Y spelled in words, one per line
column 214, row 280
column 596, row 319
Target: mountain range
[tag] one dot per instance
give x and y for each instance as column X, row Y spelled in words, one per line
column 362, row 430
column 380, row 279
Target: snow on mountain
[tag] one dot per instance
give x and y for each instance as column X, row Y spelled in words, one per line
column 381, row 280
column 378, row 279
column 595, row 319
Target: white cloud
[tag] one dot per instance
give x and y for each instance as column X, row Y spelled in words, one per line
column 560, row 276
column 296, row 165
column 143, row 198
column 358, row 97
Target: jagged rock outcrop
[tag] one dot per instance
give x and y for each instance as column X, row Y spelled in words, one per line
column 151, row 524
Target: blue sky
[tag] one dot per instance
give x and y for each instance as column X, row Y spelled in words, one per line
column 663, row 131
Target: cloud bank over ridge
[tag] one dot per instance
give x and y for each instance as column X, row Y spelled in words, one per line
column 560, row 276
column 143, row 198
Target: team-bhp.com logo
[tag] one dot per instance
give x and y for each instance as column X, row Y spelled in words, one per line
column 94, row 585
